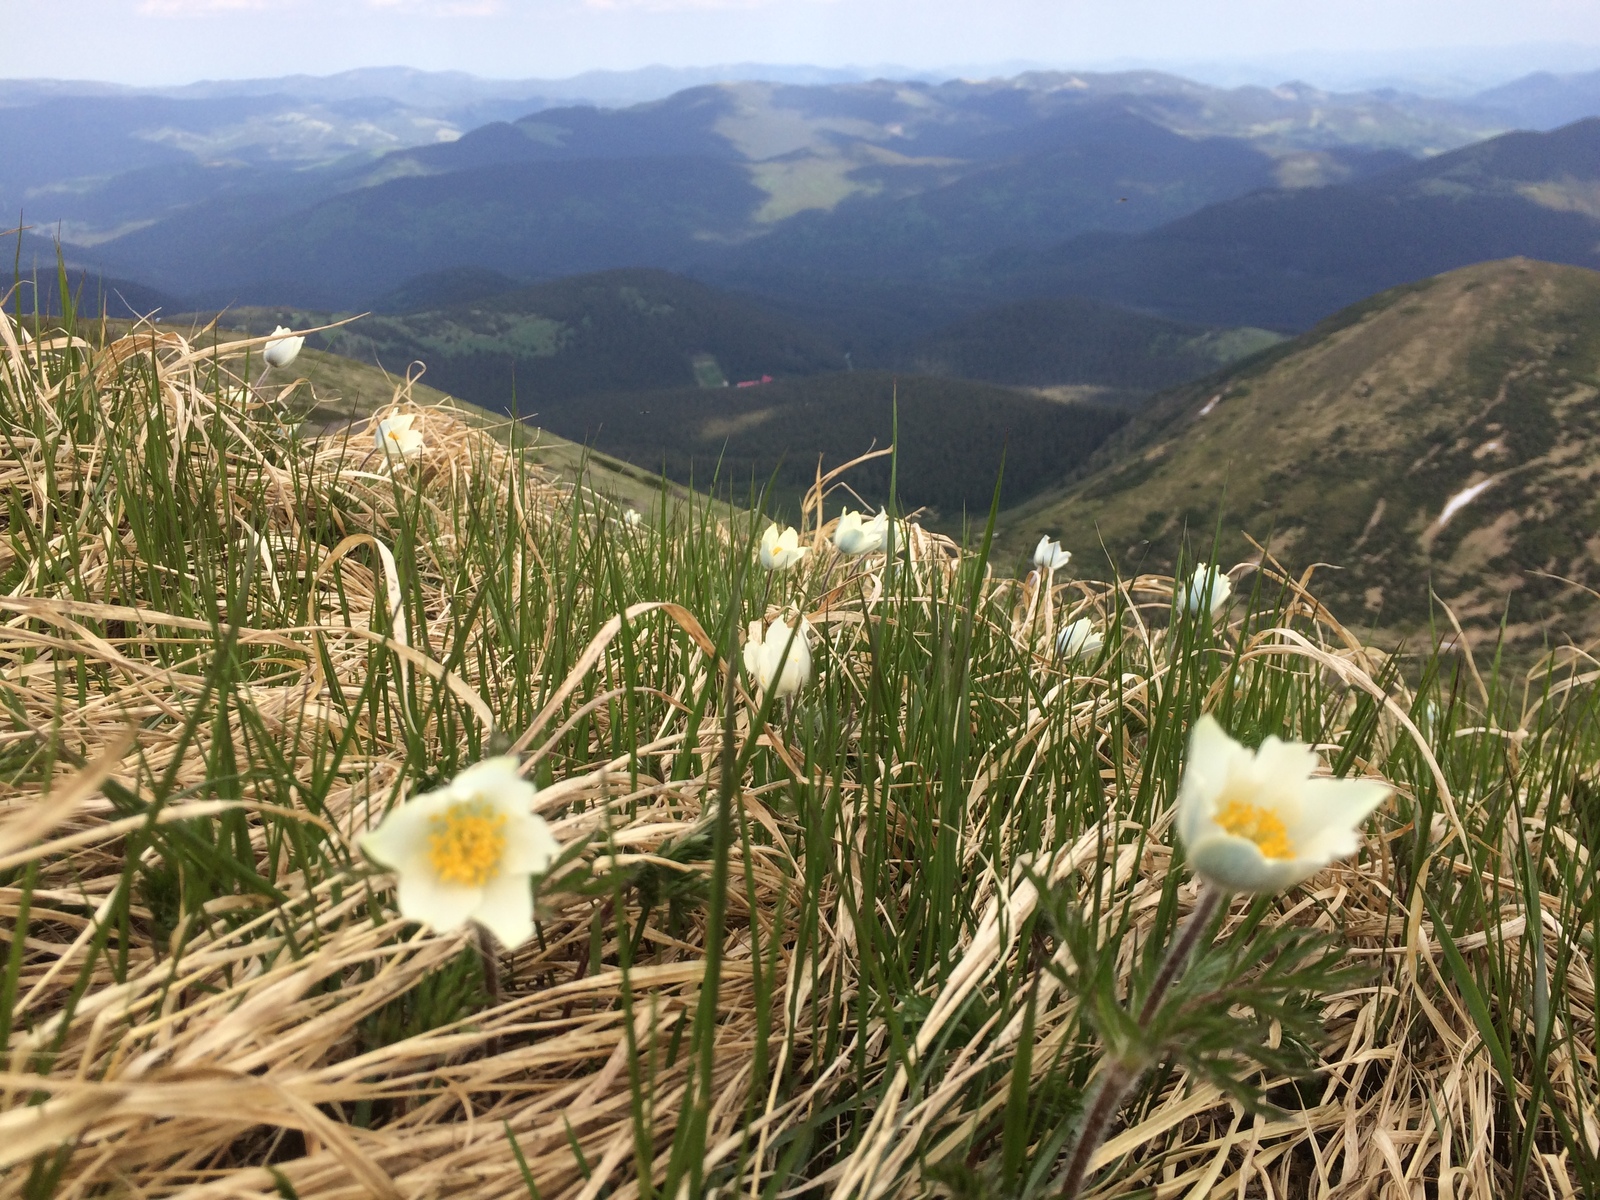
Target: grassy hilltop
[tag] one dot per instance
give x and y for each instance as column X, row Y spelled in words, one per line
column 1345, row 446
column 331, row 393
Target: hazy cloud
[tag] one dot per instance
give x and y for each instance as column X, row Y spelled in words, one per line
column 174, row 41
column 189, row 8
column 435, row 8
column 680, row 5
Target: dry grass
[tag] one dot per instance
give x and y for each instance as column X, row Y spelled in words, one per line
column 226, row 652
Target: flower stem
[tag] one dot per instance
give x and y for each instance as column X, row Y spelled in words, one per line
column 490, row 955
column 1178, row 953
column 1119, row 1077
column 491, row 965
column 1106, row 1099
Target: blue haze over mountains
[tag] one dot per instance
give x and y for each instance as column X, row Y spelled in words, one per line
column 870, row 215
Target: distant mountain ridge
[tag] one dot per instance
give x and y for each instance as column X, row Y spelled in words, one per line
column 486, row 337
column 954, row 435
column 180, row 196
column 1286, row 259
column 1544, row 100
column 873, row 211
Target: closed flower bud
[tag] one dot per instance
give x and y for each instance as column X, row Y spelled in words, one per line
column 857, row 535
column 1049, row 556
column 1207, row 591
column 779, row 659
column 1079, row 640
column 282, row 348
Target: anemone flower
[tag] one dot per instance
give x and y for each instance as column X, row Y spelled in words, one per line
column 466, row 851
column 395, row 437
column 765, row 649
column 1257, row 820
column 1049, row 556
column 781, row 548
column 856, row 534
column 1079, row 640
column 1207, row 591
column 282, row 348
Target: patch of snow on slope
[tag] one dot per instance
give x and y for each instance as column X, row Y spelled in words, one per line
column 1463, row 498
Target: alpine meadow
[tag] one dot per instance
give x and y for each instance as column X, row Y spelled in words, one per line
column 798, row 633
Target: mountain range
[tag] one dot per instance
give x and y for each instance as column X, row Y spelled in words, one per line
column 874, row 212
column 1285, row 259
column 1436, row 440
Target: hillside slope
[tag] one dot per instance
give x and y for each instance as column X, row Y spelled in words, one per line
column 1442, row 434
column 336, row 390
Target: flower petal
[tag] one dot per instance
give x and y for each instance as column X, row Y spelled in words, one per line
column 505, row 909
column 1236, row 864
column 1331, row 814
column 396, row 841
column 488, row 779
column 441, row 906
column 530, row 846
column 1281, row 762
column 1212, row 755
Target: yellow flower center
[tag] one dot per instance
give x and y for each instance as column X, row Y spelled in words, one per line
column 1260, row 826
column 467, row 842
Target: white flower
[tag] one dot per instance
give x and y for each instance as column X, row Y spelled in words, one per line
column 283, row 347
column 1206, row 592
column 781, row 549
column 632, row 518
column 1256, row 821
column 1049, row 556
column 1079, row 640
column 465, row 852
column 395, row 437
column 856, row 535
column 763, row 652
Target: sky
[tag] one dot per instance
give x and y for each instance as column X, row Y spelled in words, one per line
column 178, row 41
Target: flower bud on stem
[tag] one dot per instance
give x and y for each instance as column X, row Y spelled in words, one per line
column 1120, row 1075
